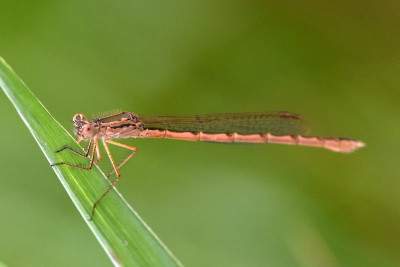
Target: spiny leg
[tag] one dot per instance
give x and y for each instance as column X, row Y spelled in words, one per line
column 76, row 152
column 110, row 157
column 134, row 150
column 112, row 185
column 98, row 154
column 82, row 155
column 115, row 169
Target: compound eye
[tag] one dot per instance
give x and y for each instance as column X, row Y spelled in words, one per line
column 79, row 117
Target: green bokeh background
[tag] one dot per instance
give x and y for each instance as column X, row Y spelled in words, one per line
column 335, row 62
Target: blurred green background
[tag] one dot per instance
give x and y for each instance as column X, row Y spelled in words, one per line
column 334, row 62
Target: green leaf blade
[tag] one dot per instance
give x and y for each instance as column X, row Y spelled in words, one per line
column 125, row 237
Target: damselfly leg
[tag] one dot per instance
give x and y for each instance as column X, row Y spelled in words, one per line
column 93, row 145
column 92, row 149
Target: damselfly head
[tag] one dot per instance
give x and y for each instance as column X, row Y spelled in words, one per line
column 79, row 121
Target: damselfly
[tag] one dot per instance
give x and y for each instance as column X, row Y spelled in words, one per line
column 277, row 127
